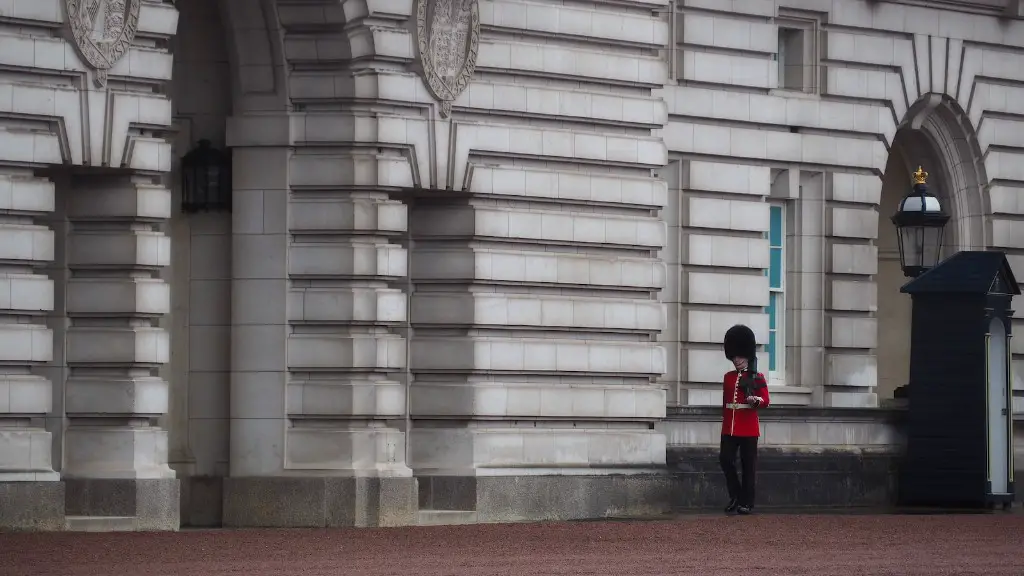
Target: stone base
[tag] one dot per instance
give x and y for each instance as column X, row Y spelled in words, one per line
column 534, row 498
column 153, row 503
column 282, row 502
column 202, row 501
column 791, row 478
column 32, row 506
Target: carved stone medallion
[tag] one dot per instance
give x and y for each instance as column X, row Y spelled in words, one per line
column 102, row 30
column 448, row 35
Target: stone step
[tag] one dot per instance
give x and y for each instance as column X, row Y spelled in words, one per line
column 100, row 524
column 446, row 517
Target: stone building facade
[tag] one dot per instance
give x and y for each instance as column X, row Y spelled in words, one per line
column 480, row 254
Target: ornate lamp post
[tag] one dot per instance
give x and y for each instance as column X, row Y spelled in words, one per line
column 206, row 179
column 919, row 222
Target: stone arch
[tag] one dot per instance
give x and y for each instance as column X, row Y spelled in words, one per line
column 937, row 127
column 937, row 135
column 259, row 75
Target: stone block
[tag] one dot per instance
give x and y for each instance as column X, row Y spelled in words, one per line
column 735, row 69
column 373, row 352
column 106, row 452
column 347, row 215
column 729, row 289
column 482, row 451
column 729, row 178
column 728, row 32
column 351, row 449
column 549, row 311
column 539, row 226
column 113, row 345
column 790, row 478
column 853, row 295
column 278, row 502
column 706, row 365
column 537, row 355
column 129, row 249
column 23, row 194
column 852, row 332
column 337, row 259
column 739, row 215
column 856, row 370
column 709, row 326
column 555, row 497
column 25, row 453
column 25, row 394
column 344, row 397
column 346, row 304
column 852, row 223
column 25, row 343
column 153, row 503
column 27, row 243
column 524, row 399
column 537, row 267
column 853, row 259
column 851, row 399
column 121, row 200
column 31, row 506
column 570, row 61
column 569, row 186
column 116, row 395
column 202, row 500
column 26, row 293
column 727, row 251
column 125, row 297
column 1005, row 200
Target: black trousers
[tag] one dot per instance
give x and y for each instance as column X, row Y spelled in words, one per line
column 740, row 489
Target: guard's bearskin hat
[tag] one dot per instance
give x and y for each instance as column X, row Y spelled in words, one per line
column 740, row 341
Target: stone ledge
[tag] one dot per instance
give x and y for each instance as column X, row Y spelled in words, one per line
column 894, row 415
column 283, row 502
column 153, row 503
column 555, row 497
column 791, row 478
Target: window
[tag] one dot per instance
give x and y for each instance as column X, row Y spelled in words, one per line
column 775, row 350
column 798, row 54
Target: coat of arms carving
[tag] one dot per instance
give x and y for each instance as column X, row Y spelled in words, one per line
column 103, row 31
column 448, row 37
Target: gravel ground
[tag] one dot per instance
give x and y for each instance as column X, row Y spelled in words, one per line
column 788, row 544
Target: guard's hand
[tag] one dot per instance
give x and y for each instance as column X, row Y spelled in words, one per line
column 754, row 400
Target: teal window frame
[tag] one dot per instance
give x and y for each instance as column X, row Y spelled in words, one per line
column 775, row 347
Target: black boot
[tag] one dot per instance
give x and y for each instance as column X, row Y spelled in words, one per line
column 745, row 509
column 733, row 505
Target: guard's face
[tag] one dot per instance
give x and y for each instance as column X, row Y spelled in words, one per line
column 740, row 363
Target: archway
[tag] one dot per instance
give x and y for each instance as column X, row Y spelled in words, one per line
column 227, row 63
column 936, row 135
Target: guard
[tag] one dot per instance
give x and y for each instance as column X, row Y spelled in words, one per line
column 744, row 392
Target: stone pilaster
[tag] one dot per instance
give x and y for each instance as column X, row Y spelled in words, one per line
column 851, row 260
column 315, row 356
column 805, row 347
column 30, row 494
column 115, row 454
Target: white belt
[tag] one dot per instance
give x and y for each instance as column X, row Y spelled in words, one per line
column 738, row 406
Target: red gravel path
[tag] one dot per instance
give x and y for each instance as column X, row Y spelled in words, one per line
column 792, row 545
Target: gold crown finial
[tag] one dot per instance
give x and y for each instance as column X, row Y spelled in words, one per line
column 920, row 177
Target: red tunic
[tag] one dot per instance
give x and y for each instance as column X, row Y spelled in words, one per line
column 738, row 417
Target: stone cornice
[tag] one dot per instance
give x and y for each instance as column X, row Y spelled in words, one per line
column 790, row 413
column 1007, row 8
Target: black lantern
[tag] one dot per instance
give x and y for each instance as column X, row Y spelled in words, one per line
column 919, row 222
column 206, row 179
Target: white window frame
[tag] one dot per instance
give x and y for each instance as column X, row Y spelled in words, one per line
column 810, row 28
column 777, row 377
